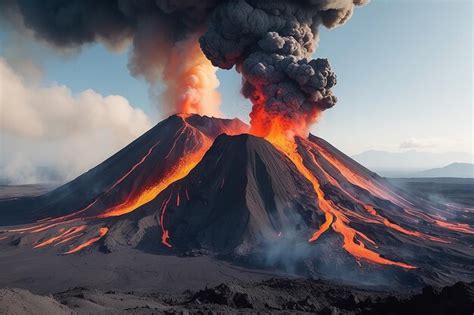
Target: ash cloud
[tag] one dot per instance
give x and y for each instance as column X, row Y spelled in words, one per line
column 269, row 42
column 153, row 28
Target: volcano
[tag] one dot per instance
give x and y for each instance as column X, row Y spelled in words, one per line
column 195, row 185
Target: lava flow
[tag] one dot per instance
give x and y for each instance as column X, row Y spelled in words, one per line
column 334, row 216
column 360, row 182
column 67, row 234
column 164, row 232
column 152, row 191
column 102, row 232
column 180, row 170
column 188, row 144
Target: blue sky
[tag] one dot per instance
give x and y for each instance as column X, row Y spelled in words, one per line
column 404, row 76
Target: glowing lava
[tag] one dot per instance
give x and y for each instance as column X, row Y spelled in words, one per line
column 189, row 146
column 177, row 172
column 102, row 232
column 165, row 233
column 334, row 217
column 346, row 196
column 458, row 227
column 61, row 237
column 358, row 180
column 378, row 219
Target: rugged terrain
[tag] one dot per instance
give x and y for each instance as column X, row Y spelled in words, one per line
column 197, row 202
column 275, row 296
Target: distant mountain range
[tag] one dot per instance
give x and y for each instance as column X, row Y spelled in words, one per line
column 462, row 170
column 389, row 164
column 417, row 164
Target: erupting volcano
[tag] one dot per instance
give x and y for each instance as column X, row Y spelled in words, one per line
column 270, row 194
column 198, row 183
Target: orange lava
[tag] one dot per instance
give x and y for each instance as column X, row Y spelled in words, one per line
column 180, row 170
column 69, row 238
column 177, row 172
column 26, row 229
column 165, row 233
column 65, row 234
column 48, row 223
column 403, row 230
column 359, row 250
column 277, row 134
column 370, row 209
column 458, row 227
column 323, row 228
column 102, row 232
column 74, row 214
column 382, row 192
column 47, row 227
column 441, row 222
column 358, row 180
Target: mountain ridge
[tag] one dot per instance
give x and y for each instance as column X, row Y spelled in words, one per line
column 458, row 170
column 403, row 164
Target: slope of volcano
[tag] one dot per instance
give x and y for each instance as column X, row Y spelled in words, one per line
column 186, row 188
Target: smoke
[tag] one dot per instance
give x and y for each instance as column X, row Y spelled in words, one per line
column 324, row 259
column 160, row 32
column 191, row 80
column 269, row 42
column 42, row 127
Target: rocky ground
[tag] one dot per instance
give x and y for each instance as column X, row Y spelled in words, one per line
column 275, row 296
column 198, row 285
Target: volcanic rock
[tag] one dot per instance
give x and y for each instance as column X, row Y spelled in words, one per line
column 148, row 158
column 194, row 186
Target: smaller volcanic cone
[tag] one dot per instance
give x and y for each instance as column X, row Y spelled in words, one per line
column 190, row 79
column 130, row 178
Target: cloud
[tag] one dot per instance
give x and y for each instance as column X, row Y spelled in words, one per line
column 437, row 144
column 51, row 127
column 414, row 143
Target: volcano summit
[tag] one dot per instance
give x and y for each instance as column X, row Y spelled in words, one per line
column 195, row 185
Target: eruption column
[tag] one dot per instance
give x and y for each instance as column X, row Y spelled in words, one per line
column 271, row 44
column 191, row 80
column 66, row 234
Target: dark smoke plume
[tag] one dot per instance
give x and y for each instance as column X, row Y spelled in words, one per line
column 269, row 42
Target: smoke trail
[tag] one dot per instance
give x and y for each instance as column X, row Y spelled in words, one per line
column 191, row 80
column 270, row 42
column 159, row 31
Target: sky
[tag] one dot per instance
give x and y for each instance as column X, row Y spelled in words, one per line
column 404, row 78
